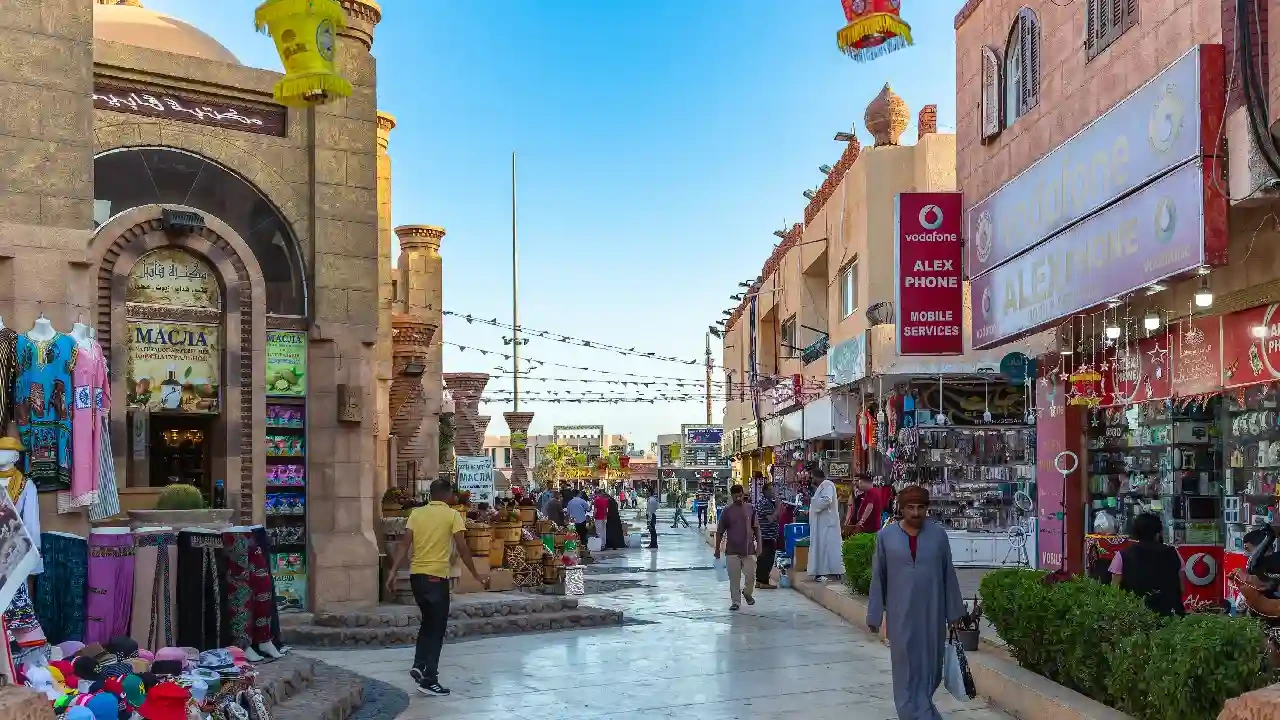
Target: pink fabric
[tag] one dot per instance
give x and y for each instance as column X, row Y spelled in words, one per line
column 1117, row 565
column 92, row 398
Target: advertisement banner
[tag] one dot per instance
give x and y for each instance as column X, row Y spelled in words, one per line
column 173, row 277
column 286, row 363
column 1162, row 124
column 1197, row 356
column 173, row 367
column 929, row 300
column 1251, row 346
column 1154, row 234
column 849, row 361
column 475, row 475
column 1137, row 372
column 1201, row 574
column 702, row 434
column 1051, row 483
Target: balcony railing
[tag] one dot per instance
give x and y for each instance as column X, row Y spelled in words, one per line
column 816, row 349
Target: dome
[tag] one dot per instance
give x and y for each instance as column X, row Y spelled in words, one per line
column 126, row 21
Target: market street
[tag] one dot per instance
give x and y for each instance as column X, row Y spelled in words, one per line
column 682, row 654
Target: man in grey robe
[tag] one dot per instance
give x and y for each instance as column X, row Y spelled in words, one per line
column 826, row 560
column 914, row 589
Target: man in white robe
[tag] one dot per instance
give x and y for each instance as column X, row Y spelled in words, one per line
column 825, row 559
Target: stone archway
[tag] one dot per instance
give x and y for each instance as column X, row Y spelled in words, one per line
column 114, row 250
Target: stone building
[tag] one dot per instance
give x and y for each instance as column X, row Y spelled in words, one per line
column 152, row 186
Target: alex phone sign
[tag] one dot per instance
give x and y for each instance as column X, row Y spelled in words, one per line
column 929, row 294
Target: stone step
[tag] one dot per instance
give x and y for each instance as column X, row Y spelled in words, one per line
column 284, row 678
column 464, row 606
column 336, row 695
column 459, row 628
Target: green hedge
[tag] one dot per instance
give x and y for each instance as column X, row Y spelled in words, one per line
column 1105, row 643
column 858, row 551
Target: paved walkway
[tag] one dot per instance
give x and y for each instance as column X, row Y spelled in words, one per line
column 683, row 655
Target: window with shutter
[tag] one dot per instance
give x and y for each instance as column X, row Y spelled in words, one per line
column 992, row 91
column 1105, row 22
column 1022, row 66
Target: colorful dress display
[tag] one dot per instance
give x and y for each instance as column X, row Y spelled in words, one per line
column 8, row 364
column 92, row 401
column 43, row 407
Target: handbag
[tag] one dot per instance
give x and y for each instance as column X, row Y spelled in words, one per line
column 955, row 670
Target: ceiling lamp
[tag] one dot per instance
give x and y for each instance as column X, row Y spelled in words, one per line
column 1112, row 331
column 306, row 35
column 874, row 29
column 1151, row 321
column 1204, row 296
column 1259, row 331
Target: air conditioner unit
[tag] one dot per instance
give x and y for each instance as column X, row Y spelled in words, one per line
column 1250, row 180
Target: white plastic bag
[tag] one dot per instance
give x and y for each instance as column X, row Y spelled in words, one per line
column 594, row 544
column 955, row 672
column 722, row 569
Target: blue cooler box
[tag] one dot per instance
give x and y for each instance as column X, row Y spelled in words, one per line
column 790, row 534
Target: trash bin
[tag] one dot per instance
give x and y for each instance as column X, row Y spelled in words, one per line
column 790, row 534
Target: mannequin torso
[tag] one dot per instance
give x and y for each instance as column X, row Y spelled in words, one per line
column 42, row 330
column 80, row 332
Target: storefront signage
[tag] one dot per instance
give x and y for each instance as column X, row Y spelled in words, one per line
column 785, row 392
column 1162, row 124
column 173, row 367
column 1251, row 346
column 929, row 300
column 1201, row 574
column 702, row 434
column 750, row 436
column 849, row 360
column 838, row 469
column 1135, row 372
column 1197, row 356
column 1159, row 232
column 173, row 277
column 286, row 363
column 475, row 475
column 1051, row 482
column 174, row 106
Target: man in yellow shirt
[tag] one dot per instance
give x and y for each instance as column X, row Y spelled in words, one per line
column 431, row 534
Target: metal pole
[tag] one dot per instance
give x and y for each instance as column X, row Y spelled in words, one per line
column 515, row 302
column 708, row 378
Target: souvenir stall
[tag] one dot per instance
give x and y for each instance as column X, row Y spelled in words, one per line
column 968, row 442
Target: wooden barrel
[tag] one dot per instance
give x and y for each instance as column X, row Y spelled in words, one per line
column 528, row 514
column 551, row 574
column 560, row 539
column 507, row 532
column 533, row 550
column 478, row 538
column 545, row 526
column 497, row 548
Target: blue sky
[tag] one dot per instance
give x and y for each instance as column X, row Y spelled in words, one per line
column 660, row 143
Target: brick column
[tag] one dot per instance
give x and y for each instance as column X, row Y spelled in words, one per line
column 383, row 369
column 343, row 540
column 420, row 292
column 408, row 399
column 517, row 423
column 466, row 389
column 927, row 124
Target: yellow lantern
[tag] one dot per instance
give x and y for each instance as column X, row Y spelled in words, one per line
column 306, row 35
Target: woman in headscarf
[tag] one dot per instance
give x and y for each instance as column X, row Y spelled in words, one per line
column 614, row 536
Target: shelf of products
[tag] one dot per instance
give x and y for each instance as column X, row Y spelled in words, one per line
column 286, row 498
column 1252, row 455
column 973, row 473
column 1160, row 457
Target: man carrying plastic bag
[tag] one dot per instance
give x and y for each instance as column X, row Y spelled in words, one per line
column 741, row 532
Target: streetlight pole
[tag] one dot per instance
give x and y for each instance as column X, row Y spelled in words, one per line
column 515, row 295
column 708, row 378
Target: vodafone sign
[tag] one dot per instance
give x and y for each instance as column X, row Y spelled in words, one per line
column 929, row 295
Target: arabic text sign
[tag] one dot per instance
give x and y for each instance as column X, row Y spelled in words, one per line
column 172, row 106
column 1154, row 234
column 475, row 475
column 1152, row 130
column 173, row 366
column 930, row 291
column 174, row 277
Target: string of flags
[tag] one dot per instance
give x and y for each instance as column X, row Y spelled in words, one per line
column 570, row 340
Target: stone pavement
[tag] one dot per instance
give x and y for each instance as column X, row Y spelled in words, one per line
column 681, row 654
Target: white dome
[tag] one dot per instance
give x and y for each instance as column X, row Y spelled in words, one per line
column 126, row 21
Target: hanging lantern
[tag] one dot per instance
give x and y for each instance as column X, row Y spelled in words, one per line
column 874, row 29
column 624, row 462
column 1085, row 387
column 306, row 37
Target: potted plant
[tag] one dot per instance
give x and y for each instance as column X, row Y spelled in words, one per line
column 182, row 505
column 527, row 509
column 967, row 629
column 394, row 502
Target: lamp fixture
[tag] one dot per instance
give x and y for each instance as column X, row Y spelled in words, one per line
column 808, row 194
column 726, row 313
column 1112, row 330
column 845, row 137
column 736, row 296
column 1204, row 296
column 744, row 284
column 824, row 169
column 1154, row 288
column 1151, row 321
column 1259, row 331
column 1066, row 350
column 414, row 368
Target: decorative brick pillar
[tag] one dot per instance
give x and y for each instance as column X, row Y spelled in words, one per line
column 466, row 389
column 411, row 343
column 482, row 426
column 518, row 429
column 384, row 475
column 420, row 292
column 927, row 124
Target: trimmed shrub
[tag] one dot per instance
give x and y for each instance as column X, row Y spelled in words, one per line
column 180, row 497
column 859, row 551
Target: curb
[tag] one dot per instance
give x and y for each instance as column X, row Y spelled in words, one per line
column 1008, row 686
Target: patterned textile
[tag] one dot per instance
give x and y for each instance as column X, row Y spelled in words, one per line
column 262, row 606
column 263, row 542
column 91, row 393
column 201, row 566
column 18, row 554
column 108, row 502
column 43, row 406
column 60, row 590
column 239, row 594
column 8, row 369
column 21, row 615
column 155, row 563
column 109, row 604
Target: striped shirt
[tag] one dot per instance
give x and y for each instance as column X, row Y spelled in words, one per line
column 765, row 508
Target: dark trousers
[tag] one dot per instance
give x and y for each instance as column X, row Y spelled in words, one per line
column 764, row 563
column 432, row 595
column 653, row 531
column 581, row 529
column 702, row 514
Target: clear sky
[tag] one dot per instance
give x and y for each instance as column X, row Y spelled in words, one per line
column 660, row 143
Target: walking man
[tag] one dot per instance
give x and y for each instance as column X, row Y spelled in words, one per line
column 679, row 518
column 767, row 517
column 700, row 505
column 432, row 534
column 577, row 510
column 652, row 506
column 739, row 528
column 915, row 592
column 825, row 551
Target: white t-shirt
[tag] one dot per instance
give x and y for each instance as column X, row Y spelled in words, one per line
column 653, row 504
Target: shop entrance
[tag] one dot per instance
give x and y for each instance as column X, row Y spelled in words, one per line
column 181, row 452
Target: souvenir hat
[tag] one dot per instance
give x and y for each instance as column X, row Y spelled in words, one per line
column 104, row 706
column 171, row 653
column 11, row 443
column 78, row 712
column 61, row 704
column 41, row 680
column 115, row 669
column 140, row 665
column 237, row 656
column 123, row 647
column 135, row 691
column 85, row 668
column 165, row 668
column 146, row 655
column 166, row 701
column 217, row 660
column 70, row 648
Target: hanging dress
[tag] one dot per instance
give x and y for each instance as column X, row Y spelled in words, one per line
column 8, row 371
column 43, row 406
column 109, row 605
column 155, row 577
column 89, row 379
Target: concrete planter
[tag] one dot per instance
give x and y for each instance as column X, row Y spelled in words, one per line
column 180, row 519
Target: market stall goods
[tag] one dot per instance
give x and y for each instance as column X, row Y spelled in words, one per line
column 155, row 565
column 109, row 606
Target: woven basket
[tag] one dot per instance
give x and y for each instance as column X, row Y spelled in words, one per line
column 497, row 548
column 478, row 538
column 507, row 532
column 533, row 550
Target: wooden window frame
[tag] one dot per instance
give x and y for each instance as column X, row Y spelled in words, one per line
column 1105, row 22
column 1024, row 39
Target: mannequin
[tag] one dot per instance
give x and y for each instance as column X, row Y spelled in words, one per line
column 20, row 616
column 42, row 330
column 80, row 332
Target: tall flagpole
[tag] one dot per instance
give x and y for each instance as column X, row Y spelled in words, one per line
column 515, row 302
